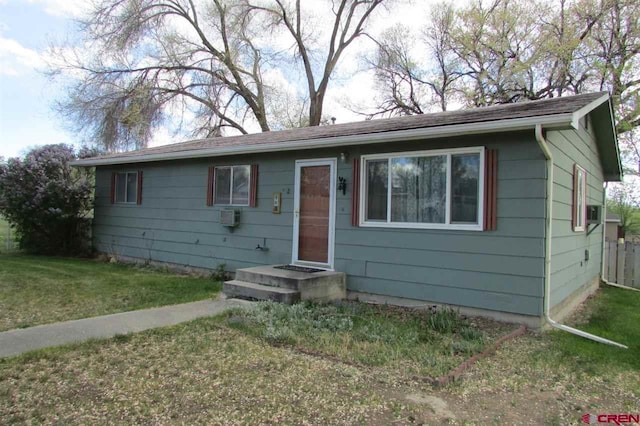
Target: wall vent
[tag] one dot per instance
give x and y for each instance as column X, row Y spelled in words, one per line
column 594, row 214
column 230, row 217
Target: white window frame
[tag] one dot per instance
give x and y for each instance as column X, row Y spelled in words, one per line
column 126, row 187
column 413, row 225
column 580, row 214
column 231, row 203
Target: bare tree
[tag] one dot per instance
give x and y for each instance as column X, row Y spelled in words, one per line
column 406, row 83
column 400, row 79
column 501, row 51
column 205, row 61
column 349, row 21
column 611, row 58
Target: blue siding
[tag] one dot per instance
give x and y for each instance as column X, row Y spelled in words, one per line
column 498, row 270
column 569, row 268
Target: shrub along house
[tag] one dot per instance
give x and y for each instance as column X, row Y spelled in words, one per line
column 446, row 208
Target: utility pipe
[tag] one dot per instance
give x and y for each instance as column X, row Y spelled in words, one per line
column 547, row 261
column 604, row 218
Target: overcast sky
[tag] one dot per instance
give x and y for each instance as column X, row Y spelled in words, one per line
column 27, row 27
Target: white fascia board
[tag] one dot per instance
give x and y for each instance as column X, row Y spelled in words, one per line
column 516, row 124
column 577, row 115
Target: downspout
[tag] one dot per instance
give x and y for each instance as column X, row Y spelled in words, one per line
column 604, row 217
column 547, row 261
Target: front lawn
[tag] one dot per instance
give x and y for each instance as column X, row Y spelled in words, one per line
column 207, row 372
column 195, row 373
column 38, row 290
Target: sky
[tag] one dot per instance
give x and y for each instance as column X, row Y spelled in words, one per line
column 27, row 96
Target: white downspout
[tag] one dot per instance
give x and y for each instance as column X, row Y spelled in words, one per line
column 547, row 261
column 604, row 219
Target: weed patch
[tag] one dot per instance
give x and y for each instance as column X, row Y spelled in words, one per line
column 425, row 342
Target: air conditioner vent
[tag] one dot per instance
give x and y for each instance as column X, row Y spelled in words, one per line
column 594, row 214
column 230, row 217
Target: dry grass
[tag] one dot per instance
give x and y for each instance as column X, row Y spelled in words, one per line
column 205, row 372
column 521, row 384
column 193, row 373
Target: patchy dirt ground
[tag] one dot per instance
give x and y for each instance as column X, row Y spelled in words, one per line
column 200, row 373
column 511, row 387
column 206, row 372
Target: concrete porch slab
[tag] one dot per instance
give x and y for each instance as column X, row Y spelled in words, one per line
column 322, row 286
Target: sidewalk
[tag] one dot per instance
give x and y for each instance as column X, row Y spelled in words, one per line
column 15, row 342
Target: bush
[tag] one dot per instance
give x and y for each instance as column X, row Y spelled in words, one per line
column 280, row 323
column 47, row 201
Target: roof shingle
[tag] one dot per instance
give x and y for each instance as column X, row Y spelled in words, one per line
column 545, row 107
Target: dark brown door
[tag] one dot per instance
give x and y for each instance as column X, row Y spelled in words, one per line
column 315, row 203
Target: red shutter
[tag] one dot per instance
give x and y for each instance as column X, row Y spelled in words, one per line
column 490, row 190
column 253, row 187
column 210, row 182
column 112, row 191
column 574, row 206
column 355, row 193
column 139, row 194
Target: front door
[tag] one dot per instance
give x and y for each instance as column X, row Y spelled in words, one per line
column 314, row 213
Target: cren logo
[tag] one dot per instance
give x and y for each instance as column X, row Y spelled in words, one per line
column 589, row 419
column 617, row 419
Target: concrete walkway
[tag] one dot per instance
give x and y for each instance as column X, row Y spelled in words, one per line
column 15, row 342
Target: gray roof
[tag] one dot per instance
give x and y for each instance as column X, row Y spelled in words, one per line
column 553, row 112
column 612, row 217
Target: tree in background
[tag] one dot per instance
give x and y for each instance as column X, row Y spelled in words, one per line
column 47, row 201
column 502, row 51
column 624, row 200
column 219, row 64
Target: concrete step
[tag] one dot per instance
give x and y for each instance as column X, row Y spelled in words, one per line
column 244, row 289
column 270, row 276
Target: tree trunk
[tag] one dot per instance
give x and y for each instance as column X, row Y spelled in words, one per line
column 315, row 108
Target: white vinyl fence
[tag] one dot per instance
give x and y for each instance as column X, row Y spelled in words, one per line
column 622, row 263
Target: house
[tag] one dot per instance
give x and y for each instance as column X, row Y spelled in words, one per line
column 445, row 208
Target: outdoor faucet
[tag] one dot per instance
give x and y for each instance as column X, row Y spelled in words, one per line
column 262, row 247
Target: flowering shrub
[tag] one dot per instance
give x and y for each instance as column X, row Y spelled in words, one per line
column 47, row 201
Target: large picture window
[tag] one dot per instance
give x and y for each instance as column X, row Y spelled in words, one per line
column 579, row 198
column 126, row 187
column 427, row 189
column 232, row 185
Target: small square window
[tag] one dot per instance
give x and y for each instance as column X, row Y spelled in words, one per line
column 232, row 185
column 126, row 187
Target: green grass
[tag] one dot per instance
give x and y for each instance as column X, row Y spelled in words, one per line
column 418, row 341
column 38, row 290
column 615, row 315
column 4, row 233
